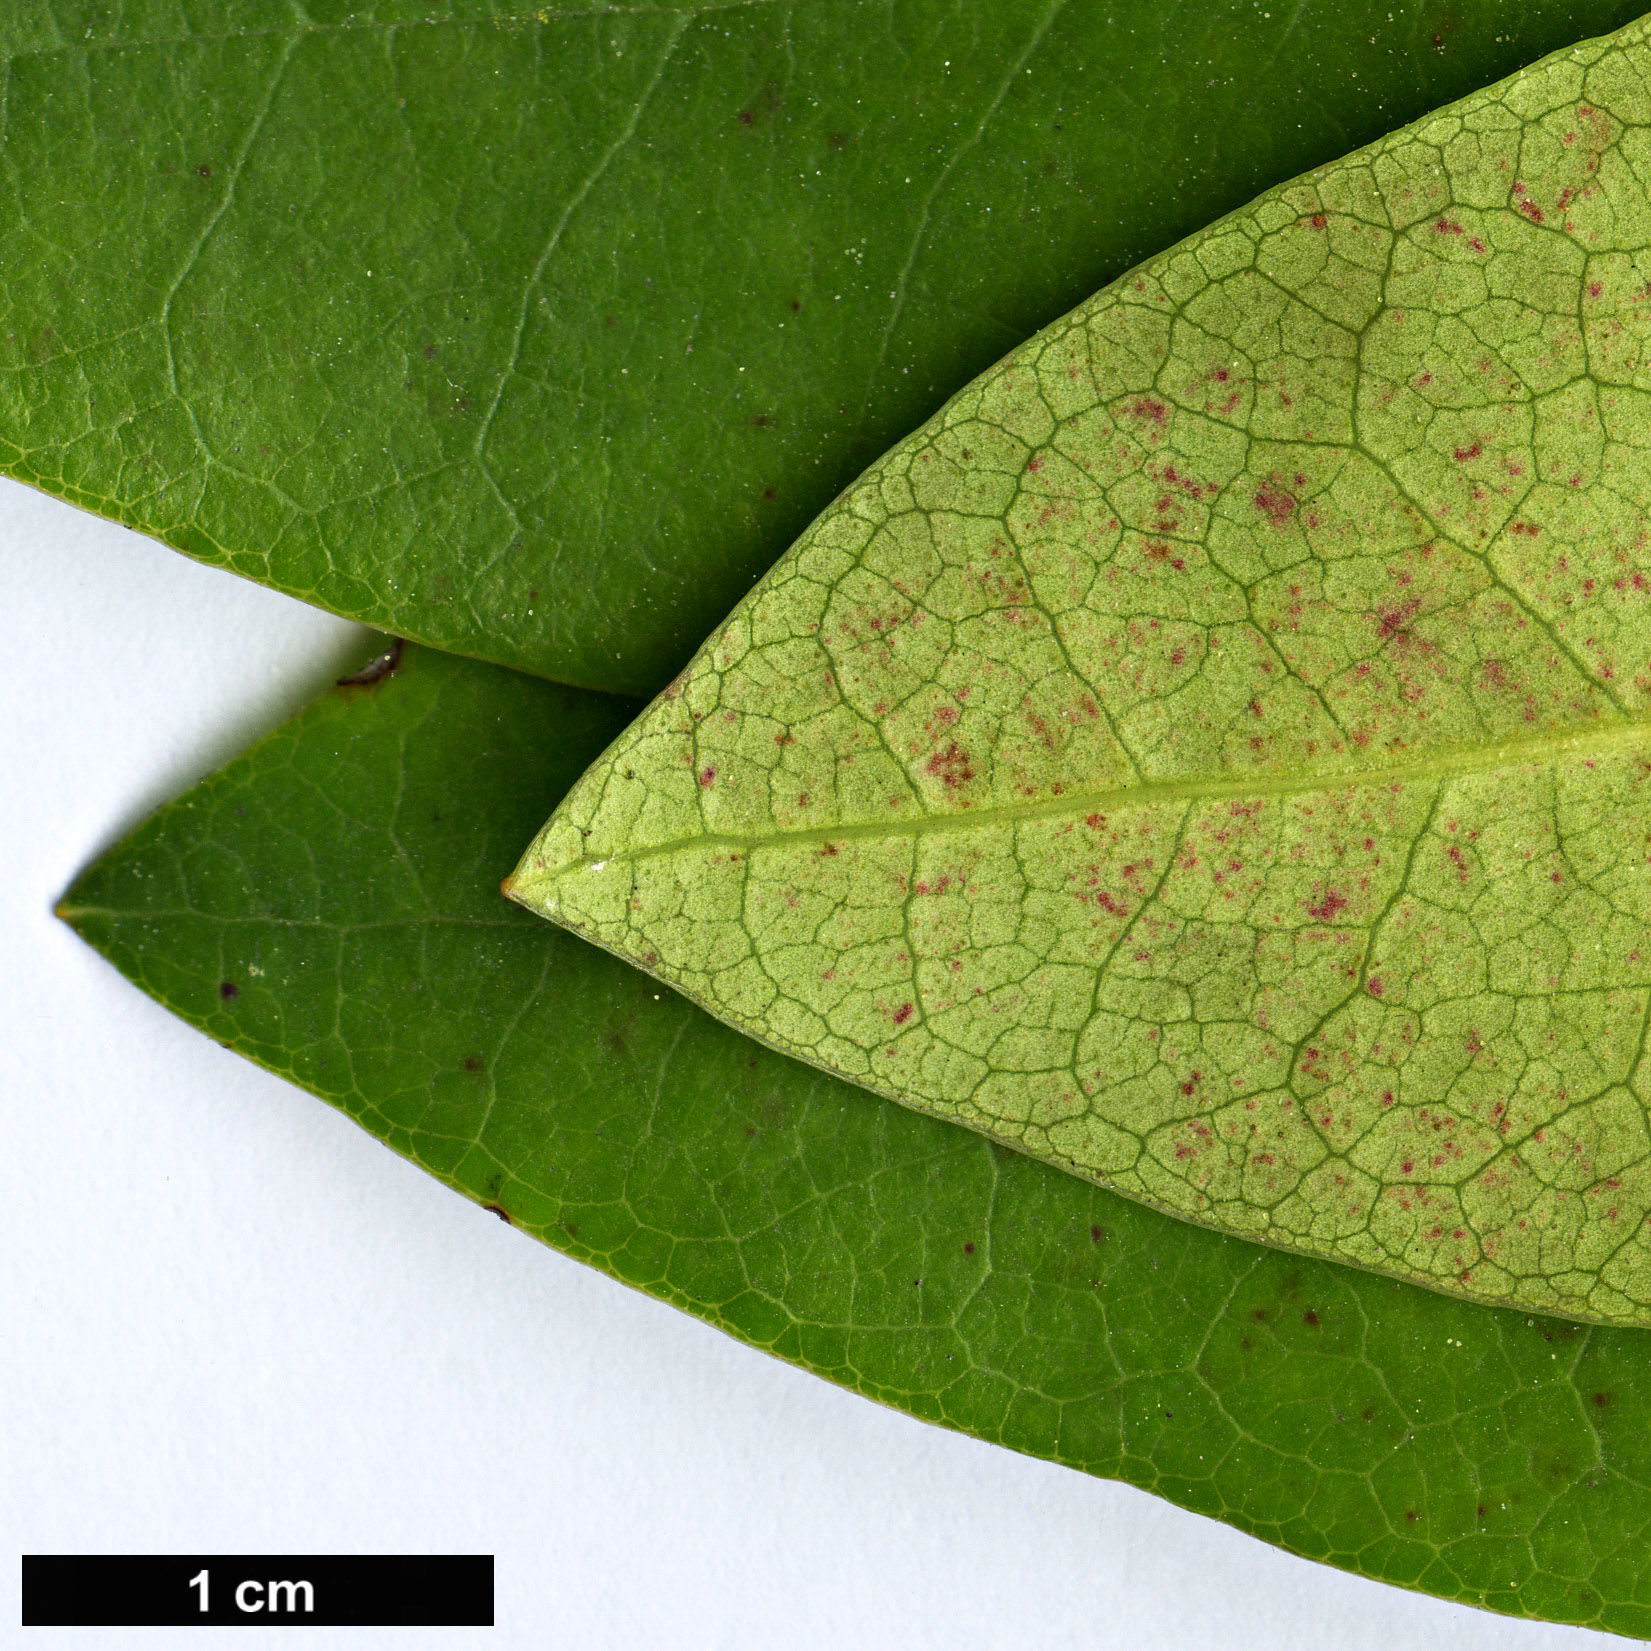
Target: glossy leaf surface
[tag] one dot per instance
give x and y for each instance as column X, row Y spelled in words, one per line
column 540, row 335
column 1477, row 1454
column 1212, row 754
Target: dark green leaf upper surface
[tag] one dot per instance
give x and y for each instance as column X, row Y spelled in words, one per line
column 327, row 904
column 540, row 335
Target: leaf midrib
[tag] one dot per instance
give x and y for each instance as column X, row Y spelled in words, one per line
column 1442, row 765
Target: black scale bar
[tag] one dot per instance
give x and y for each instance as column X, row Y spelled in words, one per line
column 260, row 1590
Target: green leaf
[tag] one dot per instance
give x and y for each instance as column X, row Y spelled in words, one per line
column 1212, row 754
column 326, row 905
column 540, row 336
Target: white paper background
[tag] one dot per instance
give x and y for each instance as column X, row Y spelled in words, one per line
column 236, row 1323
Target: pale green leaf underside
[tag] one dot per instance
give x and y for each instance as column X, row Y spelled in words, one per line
column 1212, row 754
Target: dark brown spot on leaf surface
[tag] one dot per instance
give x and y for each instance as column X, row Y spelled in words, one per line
column 377, row 668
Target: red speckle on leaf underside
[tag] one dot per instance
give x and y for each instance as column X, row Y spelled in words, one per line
column 1392, row 621
column 1328, row 906
column 902, row 1014
column 1374, row 986
column 706, row 775
column 1275, row 504
column 951, row 766
column 1463, row 454
column 1147, row 408
column 1595, row 288
column 1447, row 226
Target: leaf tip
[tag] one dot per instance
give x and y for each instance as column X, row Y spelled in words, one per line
column 68, row 909
column 528, row 886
